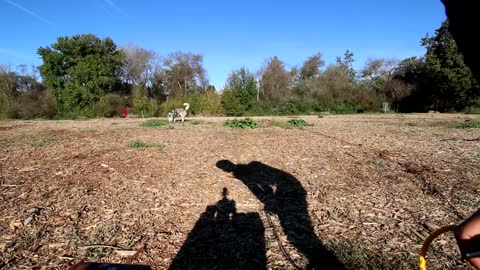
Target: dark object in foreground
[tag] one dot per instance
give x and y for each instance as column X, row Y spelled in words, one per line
column 471, row 254
column 223, row 238
column 108, row 266
column 283, row 195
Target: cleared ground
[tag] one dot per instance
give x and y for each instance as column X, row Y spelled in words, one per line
column 365, row 189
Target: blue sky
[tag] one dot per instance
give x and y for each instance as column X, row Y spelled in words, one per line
column 230, row 34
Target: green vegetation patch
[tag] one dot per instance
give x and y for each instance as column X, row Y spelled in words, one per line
column 297, row 123
column 43, row 141
column 292, row 123
column 140, row 144
column 470, row 124
column 154, row 123
column 241, row 123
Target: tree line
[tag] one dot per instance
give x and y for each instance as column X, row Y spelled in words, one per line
column 85, row 75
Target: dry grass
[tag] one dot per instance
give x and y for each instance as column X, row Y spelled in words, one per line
column 375, row 186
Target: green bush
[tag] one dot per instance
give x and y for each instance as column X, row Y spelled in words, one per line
column 366, row 101
column 243, row 124
column 277, row 123
column 324, row 102
column 470, row 124
column 31, row 105
column 110, row 105
column 473, row 109
column 48, row 105
column 14, row 110
column 136, row 144
column 208, row 103
column 154, row 123
column 289, row 107
column 140, row 101
column 344, row 107
column 205, row 103
column 154, row 109
column 231, row 104
column 259, row 109
column 298, row 123
column 140, row 144
column 299, row 105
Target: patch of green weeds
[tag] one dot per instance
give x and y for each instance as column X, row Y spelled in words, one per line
column 154, row 123
column 470, row 124
column 141, row 144
column 43, row 141
column 240, row 123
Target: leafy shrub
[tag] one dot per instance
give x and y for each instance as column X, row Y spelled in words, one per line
column 289, row 107
column 140, row 144
column 364, row 99
column 213, row 104
column 299, row 105
column 13, row 110
column 154, row 123
column 231, row 104
column 31, row 105
column 473, row 109
column 298, row 123
column 293, row 123
column 136, row 144
column 196, row 122
column 169, row 105
column 281, row 124
column 244, row 123
column 140, row 101
column 200, row 104
column 344, row 107
column 470, row 124
column 48, row 105
column 110, row 105
column 39, row 142
column 261, row 108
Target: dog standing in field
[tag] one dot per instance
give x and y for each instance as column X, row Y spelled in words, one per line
column 178, row 113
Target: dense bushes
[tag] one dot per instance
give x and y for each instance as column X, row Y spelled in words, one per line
column 90, row 77
column 208, row 103
column 31, row 105
column 110, row 105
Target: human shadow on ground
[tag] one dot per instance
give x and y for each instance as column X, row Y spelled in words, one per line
column 224, row 239
column 282, row 194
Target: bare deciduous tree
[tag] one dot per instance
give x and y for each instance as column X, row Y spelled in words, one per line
column 274, row 80
column 311, row 67
column 185, row 73
column 137, row 68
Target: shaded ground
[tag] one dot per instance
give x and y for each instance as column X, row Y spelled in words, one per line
column 371, row 187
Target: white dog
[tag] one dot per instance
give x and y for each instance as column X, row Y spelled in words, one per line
column 178, row 113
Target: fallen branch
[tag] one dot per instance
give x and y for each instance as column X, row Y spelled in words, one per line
column 102, row 246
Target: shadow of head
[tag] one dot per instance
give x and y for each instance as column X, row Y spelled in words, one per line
column 226, row 165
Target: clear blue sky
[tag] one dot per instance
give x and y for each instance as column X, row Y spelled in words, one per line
column 230, row 34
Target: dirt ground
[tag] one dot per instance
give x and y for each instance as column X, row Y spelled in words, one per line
column 365, row 189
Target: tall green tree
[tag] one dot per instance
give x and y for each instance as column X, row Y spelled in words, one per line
column 80, row 70
column 450, row 84
column 242, row 83
column 346, row 63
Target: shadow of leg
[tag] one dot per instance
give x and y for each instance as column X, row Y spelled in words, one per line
column 224, row 239
column 282, row 194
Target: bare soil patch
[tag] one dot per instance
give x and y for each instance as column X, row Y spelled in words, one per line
column 362, row 189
